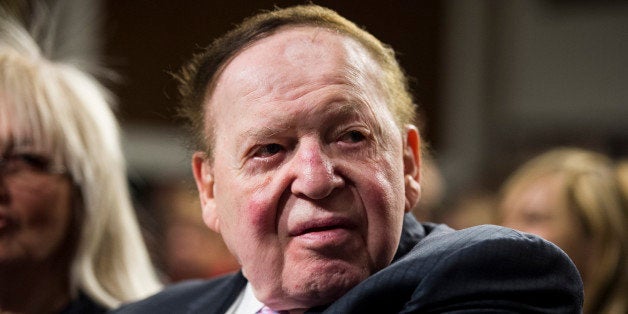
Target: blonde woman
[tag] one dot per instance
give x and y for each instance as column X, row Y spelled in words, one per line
column 69, row 240
column 572, row 197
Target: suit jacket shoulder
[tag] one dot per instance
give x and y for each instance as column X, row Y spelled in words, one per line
column 193, row 296
column 476, row 270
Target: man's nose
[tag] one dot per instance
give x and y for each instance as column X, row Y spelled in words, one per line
column 314, row 172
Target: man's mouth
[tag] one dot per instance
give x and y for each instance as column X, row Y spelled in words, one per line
column 322, row 225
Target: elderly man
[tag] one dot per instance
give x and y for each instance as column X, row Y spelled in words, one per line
column 308, row 164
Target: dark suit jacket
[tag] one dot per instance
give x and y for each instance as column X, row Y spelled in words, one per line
column 484, row 269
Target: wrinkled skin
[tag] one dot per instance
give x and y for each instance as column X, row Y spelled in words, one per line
column 311, row 176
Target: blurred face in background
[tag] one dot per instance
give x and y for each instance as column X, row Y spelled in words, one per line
column 540, row 207
column 35, row 202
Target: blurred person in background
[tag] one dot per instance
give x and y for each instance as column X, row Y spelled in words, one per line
column 571, row 197
column 433, row 190
column 185, row 247
column 69, row 240
column 472, row 208
column 622, row 177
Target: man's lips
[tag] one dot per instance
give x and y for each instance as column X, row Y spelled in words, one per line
column 321, row 225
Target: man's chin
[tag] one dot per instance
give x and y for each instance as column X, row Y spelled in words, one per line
column 309, row 289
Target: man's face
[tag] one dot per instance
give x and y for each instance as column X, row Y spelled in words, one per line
column 307, row 181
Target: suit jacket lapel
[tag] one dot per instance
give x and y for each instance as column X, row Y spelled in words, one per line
column 411, row 232
column 219, row 298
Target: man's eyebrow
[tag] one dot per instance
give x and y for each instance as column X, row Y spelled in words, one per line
column 346, row 107
column 265, row 131
column 337, row 111
column 344, row 110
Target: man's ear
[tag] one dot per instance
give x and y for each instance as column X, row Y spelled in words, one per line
column 412, row 166
column 204, row 177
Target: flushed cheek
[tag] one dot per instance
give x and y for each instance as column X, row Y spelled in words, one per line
column 384, row 210
column 247, row 198
column 250, row 226
column 245, row 221
column 261, row 211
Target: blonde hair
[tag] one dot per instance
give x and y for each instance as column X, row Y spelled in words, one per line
column 65, row 111
column 593, row 194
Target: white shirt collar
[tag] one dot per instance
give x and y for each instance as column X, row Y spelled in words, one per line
column 245, row 303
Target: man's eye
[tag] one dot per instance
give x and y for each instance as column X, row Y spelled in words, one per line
column 268, row 150
column 352, row 137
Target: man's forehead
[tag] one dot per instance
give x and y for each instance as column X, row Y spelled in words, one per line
column 291, row 47
column 288, row 37
column 317, row 49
